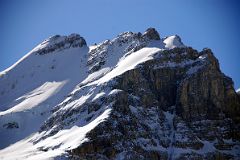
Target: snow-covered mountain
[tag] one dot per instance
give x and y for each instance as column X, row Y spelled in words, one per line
column 137, row 96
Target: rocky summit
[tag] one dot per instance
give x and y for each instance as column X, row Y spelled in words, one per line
column 137, row 96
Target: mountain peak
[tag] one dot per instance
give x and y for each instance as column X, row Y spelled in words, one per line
column 173, row 41
column 151, row 33
column 137, row 96
column 58, row 42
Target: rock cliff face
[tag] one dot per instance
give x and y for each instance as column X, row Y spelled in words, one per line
column 144, row 97
column 177, row 106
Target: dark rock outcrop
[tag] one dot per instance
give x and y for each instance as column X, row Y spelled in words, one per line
column 151, row 33
column 11, row 125
column 177, row 105
column 172, row 107
column 57, row 43
column 208, row 94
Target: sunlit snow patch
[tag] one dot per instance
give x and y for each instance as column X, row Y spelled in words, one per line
column 52, row 146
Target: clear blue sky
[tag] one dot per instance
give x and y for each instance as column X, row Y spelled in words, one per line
column 203, row 23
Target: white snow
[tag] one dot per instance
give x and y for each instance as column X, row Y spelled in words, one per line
column 238, row 90
column 128, row 63
column 53, row 146
column 35, row 70
column 35, row 97
column 115, row 91
column 172, row 42
column 36, row 84
column 33, row 86
column 202, row 57
column 99, row 95
column 47, row 80
column 92, row 47
column 95, row 75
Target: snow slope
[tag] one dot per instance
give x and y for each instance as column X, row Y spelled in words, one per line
column 33, row 89
column 32, row 86
column 238, row 90
column 129, row 62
